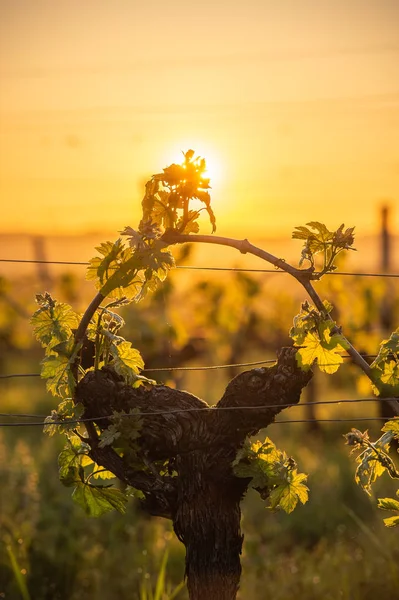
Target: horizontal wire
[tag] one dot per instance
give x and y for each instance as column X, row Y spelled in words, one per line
column 210, row 408
column 14, row 375
column 210, row 367
column 202, row 368
column 199, row 368
column 78, row 421
column 194, row 268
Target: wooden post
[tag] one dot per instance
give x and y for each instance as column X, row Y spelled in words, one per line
column 387, row 307
column 39, row 253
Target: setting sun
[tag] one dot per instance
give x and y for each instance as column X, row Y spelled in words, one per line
column 214, row 166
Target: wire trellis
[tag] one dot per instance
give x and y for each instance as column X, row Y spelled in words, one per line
column 200, row 268
column 69, row 422
column 196, row 368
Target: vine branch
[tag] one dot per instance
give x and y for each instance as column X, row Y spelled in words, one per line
column 303, row 276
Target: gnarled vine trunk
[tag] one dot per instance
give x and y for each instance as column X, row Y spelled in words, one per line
column 198, row 491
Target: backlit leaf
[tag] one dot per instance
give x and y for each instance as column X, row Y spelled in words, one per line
column 273, row 474
column 287, row 494
column 98, row 500
column 392, row 426
column 103, row 474
column 71, row 462
column 392, row 521
column 322, row 347
column 390, row 504
column 54, row 323
column 127, row 361
column 57, row 370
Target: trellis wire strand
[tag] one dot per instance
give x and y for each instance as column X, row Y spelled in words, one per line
column 230, row 408
column 77, row 421
column 199, row 368
column 195, row 268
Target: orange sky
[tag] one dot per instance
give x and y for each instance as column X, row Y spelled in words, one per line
column 294, row 103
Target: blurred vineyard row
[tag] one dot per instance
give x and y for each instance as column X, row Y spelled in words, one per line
column 333, row 547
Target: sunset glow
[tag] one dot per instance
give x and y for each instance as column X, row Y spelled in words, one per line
column 294, row 106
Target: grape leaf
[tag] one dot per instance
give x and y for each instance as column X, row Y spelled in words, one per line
column 390, row 504
column 109, row 435
column 58, row 421
column 390, row 374
column 53, row 322
column 392, row 427
column 322, row 347
column 169, row 193
column 116, row 272
column 391, row 521
column 287, row 494
column 316, row 239
column 71, row 462
column 103, row 474
column 368, row 471
column 57, row 371
column 344, row 239
column 127, row 361
column 272, row 474
column 125, row 427
column 97, row 500
column 319, row 239
column 385, row 367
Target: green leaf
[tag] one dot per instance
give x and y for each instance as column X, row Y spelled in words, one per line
column 272, row 474
column 367, row 472
column 385, row 368
column 57, row 371
column 287, row 494
column 71, row 462
column 316, row 239
column 392, row 521
column 108, row 436
column 344, row 239
column 125, row 428
column 97, row 500
column 58, row 421
column 116, row 272
column 191, row 225
column 393, row 427
column 53, row 323
column 103, row 474
column 322, row 347
column 133, row 493
column 388, row 504
column 390, row 374
column 127, row 361
column 168, row 195
column 374, row 461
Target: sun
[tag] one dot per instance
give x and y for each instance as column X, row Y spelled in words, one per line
column 214, row 166
column 214, row 169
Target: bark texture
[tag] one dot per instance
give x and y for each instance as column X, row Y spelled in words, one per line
column 182, row 459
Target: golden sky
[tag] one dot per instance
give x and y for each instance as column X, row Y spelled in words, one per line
column 294, row 104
